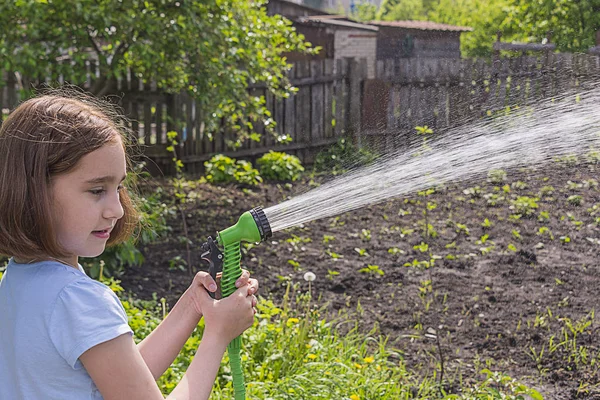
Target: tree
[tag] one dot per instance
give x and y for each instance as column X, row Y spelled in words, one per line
column 213, row 49
column 572, row 23
column 400, row 10
column 364, row 12
column 486, row 19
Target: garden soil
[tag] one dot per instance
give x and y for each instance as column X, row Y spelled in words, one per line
column 498, row 294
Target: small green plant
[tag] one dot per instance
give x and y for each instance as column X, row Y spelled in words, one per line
column 365, row 235
column 361, row 252
column 423, row 247
column 331, row 273
column 547, row 191
column 496, row 176
column 223, row 169
column 328, row 238
column 372, row 269
column 474, row 192
column 526, row 206
column 493, row 199
column 565, row 239
column 573, row 186
column 462, row 229
column 519, row 185
column 278, row 166
column 575, row 200
column 395, row 251
column 544, row 230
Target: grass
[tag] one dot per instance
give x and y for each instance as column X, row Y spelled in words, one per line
column 293, row 352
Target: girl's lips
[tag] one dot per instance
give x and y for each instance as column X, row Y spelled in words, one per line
column 105, row 234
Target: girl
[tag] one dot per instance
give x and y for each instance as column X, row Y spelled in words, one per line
column 64, row 335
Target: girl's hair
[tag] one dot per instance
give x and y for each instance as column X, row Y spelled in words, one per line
column 44, row 137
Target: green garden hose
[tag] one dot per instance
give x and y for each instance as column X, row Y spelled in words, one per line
column 254, row 227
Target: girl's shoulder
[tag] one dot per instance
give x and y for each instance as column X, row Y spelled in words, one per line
column 48, row 281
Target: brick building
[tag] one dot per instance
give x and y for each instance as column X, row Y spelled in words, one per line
column 425, row 39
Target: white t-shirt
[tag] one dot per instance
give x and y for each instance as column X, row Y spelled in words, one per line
column 50, row 314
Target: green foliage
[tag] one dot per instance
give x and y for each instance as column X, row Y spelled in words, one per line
column 364, row 12
column 573, row 23
column 342, row 156
column 396, row 10
column 278, row 166
column 297, row 353
column 223, row 169
column 213, row 49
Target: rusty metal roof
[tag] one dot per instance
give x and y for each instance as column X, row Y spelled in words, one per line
column 339, row 21
column 422, row 25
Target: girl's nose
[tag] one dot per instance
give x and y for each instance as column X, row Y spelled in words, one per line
column 114, row 209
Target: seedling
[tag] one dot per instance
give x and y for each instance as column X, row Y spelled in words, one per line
column 486, row 223
column 365, row 235
column 575, row 200
column 462, row 228
column 395, row 251
column 331, row 273
column 361, row 252
column 372, row 269
column 328, row 238
column 519, row 185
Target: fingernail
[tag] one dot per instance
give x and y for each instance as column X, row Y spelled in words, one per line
column 212, row 287
column 252, row 290
column 238, row 283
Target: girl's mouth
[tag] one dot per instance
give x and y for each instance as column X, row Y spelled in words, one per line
column 104, row 234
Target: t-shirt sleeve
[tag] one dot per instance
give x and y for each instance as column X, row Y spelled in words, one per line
column 86, row 314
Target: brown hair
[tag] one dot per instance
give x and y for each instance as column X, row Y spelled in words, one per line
column 44, row 137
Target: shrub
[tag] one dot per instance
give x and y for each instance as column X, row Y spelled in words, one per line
column 278, row 166
column 223, row 169
column 342, row 156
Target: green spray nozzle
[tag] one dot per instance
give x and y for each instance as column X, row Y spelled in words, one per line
column 252, row 226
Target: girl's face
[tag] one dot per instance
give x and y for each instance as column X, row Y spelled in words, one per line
column 86, row 204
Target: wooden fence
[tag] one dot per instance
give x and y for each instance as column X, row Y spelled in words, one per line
column 448, row 93
column 335, row 99
column 316, row 116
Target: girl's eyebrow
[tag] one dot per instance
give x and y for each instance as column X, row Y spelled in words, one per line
column 104, row 179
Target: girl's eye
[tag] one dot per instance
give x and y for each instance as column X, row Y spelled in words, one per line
column 97, row 192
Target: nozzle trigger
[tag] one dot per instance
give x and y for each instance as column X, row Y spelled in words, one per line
column 213, row 256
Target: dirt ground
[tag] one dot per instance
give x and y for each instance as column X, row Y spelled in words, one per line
column 497, row 301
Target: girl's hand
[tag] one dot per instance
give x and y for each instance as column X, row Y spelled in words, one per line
column 227, row 318
column 204, row 282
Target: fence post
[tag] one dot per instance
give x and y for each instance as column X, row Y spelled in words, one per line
column 354, row 100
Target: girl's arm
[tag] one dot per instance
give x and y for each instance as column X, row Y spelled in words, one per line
column 120, row 372
column 160, row 348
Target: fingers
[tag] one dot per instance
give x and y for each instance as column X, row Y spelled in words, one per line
column 245, row 279
column 204, row 279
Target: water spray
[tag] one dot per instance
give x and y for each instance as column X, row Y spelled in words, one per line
column 253, row 227
column 557, row 127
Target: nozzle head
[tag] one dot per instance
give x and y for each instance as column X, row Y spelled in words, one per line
column 252, row 226
column 262, row 223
